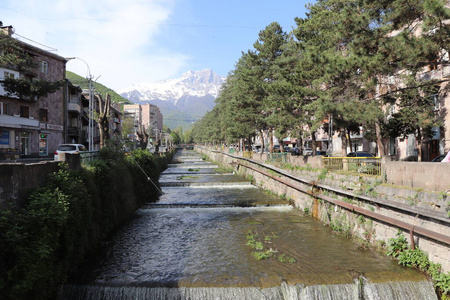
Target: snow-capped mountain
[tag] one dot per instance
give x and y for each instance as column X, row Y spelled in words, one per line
column 182, row 100
column 190, row 84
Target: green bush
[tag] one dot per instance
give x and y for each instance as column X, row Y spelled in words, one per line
column 416, row 258
column 41, row 241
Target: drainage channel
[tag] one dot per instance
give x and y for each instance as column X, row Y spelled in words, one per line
column 235, row 242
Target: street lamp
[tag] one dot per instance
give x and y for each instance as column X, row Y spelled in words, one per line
column 91, row 106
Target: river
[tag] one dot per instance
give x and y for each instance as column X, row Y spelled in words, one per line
column 212, row 235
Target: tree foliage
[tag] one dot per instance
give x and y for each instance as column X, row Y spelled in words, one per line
column 27, row 86
column 349, row 60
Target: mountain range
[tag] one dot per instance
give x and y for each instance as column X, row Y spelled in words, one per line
column 183, row 100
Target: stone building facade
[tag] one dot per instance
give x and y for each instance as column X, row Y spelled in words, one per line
column 32, row 127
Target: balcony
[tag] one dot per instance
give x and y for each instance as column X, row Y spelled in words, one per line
column 430, row 75
column 446, row 71
column 18, row 122
column 72, row 131
column 74, row 107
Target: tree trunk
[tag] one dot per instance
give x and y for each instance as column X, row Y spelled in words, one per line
column 143, row 137
column 300, row 143
column 261, row 137
column 313, row 143
column 271, row 140
column 103, row 118
column 380, row 141
column 344, row 142
column 419, row 144
column 350, row 144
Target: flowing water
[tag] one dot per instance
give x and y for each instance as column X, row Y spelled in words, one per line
column 194, row 244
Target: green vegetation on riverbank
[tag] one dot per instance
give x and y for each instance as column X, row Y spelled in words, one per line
column 416, row 258
column 68, row 217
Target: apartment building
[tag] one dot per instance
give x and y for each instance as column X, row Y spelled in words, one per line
column 36, row 126
column 147, row 115
column 32, row 126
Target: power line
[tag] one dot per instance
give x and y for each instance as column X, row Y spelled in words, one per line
column 52, row 49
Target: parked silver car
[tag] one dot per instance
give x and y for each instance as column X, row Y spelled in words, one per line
column 68, row 148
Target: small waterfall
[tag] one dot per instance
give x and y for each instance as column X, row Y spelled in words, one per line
column 192, row 165
column 206, row 184
column 233, row 205
column 422, row 290
column 408, row 290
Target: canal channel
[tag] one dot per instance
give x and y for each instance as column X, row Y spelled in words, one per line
column 213, row 235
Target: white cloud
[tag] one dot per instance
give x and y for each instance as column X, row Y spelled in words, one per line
column 118, row 39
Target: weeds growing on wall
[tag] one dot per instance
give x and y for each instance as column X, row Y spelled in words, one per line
column 416, row 258
column 63, row 220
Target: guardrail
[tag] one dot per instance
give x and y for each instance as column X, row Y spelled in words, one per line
column 366, row 165
column 87, row 157
column 277, row 157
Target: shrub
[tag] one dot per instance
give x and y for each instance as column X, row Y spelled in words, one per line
column 416, row 258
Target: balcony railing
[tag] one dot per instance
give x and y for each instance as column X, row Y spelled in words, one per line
column 74, row 107
column 73, row 131
column 15, row 121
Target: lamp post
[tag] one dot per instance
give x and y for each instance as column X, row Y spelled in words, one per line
column 91, row 106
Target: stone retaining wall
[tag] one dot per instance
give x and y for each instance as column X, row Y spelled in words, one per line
column 18, row 179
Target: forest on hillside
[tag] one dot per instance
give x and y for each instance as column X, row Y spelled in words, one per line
column 98, row 87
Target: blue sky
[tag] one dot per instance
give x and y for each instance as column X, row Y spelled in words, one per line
column 135, row 41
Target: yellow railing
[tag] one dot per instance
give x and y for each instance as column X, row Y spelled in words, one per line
column 365, row 165
column 247, row 154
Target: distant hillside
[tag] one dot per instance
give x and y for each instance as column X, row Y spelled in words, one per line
column 100, row 88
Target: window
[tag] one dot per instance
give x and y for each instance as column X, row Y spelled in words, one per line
column 4, row 108
column 44, row 67
column 392, row 146
column 24, row 111
column 436, row 103
column 7, row 74
column 43, row 115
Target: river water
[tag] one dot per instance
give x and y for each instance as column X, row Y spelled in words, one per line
column 205, row 238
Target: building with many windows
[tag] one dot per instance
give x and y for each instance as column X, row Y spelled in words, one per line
column 36, row 126
column 32, row 126
column 147, row 115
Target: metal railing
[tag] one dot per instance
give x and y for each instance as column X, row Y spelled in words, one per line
column 277, row 157
column 365, row 165
column 87, row 157
column 247, row 154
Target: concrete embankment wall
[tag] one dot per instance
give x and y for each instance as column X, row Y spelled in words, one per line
column 424, row 175
column 18, row 179
column 356, row 205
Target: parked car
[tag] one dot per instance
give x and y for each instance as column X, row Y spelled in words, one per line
column 295, row 151
column 321, row 152
column 360, row 154
column 307, row 151
column 69, row 148
column 288, row 149
column 438, row 158
column 276, row 149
